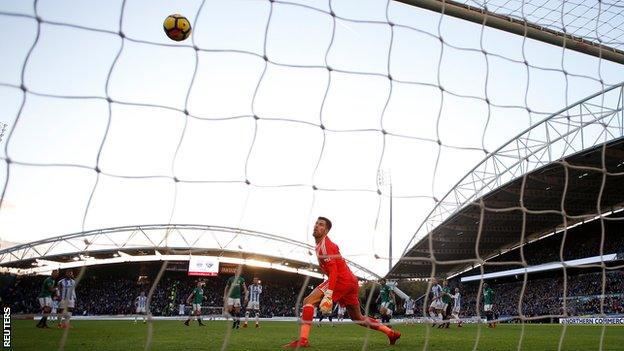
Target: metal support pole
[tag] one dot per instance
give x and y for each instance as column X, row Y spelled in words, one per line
column 390, row 236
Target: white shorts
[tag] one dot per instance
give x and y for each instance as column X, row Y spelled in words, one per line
column 385, row 305
column 438, row 305
column 409, row 312
column 253, row 305
column 45, row 302
column 141, row 310
column 455, row 311
column 487, row 308
column 67, row 304
column 233, row 302
column 197, row 307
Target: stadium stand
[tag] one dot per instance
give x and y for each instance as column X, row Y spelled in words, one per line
column 111, row 290
column 544, row 292
column 580, row 242
column 544, row 296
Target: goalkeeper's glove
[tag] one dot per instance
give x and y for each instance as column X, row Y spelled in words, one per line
column 327, row 304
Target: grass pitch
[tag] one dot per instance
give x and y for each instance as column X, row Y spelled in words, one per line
column 173, row 335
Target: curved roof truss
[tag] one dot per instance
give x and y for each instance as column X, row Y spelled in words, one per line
column 178, row 239
column 593, row 121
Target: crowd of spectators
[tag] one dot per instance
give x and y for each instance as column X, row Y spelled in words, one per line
column 111, row 295
column 544, row 297
column 112, row 291
column 107, row 293
column 580, row 242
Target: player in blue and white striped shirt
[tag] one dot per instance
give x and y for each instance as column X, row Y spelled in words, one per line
column 457, row 306
column 141, row 306
column 67, row 294
column 437, row 306
column 409, row 305
column 341, row 311
column 255, row 290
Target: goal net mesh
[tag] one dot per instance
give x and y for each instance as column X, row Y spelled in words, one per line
column 595, row 21
column 275, row 112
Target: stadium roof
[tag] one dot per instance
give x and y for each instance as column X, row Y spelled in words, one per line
column 166, row 242
column 494, row 222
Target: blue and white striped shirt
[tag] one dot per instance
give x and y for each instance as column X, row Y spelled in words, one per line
column 436, row 290
column 254, row 292
column 141, row 301
column 67, row 288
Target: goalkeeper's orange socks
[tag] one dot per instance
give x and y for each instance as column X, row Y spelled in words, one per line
column 306, row 317
column 375, row 325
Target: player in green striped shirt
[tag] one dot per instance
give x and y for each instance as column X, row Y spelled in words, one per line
column 446, row 300
column 48, row 291
column 386, row 301
column 488, row 302
column 197, row 296
column 235, row 289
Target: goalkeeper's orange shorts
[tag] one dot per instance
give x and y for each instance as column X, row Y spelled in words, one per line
column 345, row 292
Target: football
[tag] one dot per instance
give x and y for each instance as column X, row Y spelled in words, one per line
column 177, row 27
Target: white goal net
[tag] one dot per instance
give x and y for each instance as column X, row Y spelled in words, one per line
column 276, row 112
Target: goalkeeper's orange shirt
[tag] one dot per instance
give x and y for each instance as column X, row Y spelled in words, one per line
column 334, row 266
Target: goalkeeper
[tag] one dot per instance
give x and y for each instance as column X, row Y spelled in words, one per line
column 341, row 286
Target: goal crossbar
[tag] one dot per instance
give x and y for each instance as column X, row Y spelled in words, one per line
column 519, row 27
